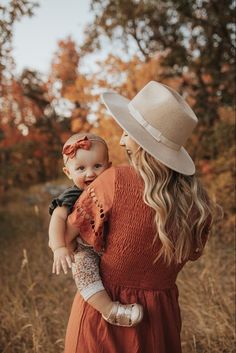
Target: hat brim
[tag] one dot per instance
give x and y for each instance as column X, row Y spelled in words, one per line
column 179, row 161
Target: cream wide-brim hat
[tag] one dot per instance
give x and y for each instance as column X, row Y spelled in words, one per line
column 159, row 120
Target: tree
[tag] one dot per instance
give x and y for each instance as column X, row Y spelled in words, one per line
column 198, row 36
column 31, row 133
column 73, row 87
column 9, row 14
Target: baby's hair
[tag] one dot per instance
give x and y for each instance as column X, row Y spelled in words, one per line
column 92, row 137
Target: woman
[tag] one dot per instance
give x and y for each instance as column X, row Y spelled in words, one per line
column 148, row 219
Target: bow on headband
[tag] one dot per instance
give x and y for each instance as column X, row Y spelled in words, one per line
column 70, row 150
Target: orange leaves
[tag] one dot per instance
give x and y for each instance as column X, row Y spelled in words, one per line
column 74, row 85
column 227, row 114
column 78, row 125
column 38, row 153
column 111, row 132
column 205, row 167
column 71, row 85
column 79, row 91
column 66, row 60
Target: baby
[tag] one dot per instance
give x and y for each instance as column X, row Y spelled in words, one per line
column 85, row 157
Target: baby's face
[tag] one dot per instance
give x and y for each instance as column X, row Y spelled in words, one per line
column 87, row 165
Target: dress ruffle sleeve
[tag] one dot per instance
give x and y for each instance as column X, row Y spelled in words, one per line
column 91, row 212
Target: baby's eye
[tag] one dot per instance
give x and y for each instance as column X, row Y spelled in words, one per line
column 81, row 168
column 97, row 166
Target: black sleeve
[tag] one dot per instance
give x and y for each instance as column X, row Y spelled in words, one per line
column 67, row 198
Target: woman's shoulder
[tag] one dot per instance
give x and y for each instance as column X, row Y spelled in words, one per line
column 127, row 174
column 114, row 172
column 114, row 176
column 125, row 170
column 124, row 174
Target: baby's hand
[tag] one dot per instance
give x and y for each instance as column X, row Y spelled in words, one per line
column 62, row 260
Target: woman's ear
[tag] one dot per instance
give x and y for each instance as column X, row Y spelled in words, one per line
column 67, row 172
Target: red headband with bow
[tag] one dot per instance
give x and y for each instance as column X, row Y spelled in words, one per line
column 70, row 150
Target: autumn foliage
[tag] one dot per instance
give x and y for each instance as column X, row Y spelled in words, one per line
column 186, row 44
column 38, row 113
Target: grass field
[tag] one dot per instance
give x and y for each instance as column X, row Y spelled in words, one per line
column 35, row 305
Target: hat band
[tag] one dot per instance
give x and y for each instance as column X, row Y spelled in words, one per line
column 156, row 134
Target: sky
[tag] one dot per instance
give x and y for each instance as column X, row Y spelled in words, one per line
column 35, row 39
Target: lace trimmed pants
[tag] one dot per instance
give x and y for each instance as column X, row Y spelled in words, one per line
column 85, row 270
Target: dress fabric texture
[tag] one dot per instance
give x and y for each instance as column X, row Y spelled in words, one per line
column 111, row 216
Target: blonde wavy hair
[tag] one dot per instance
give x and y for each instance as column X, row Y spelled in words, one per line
column 183, row 210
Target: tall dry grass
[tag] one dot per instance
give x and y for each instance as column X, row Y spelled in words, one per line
column 35, row 305
column 207, row 292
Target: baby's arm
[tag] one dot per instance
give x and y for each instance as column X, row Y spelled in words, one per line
column 62, row 254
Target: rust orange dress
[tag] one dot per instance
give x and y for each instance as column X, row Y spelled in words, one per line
column 111, row 216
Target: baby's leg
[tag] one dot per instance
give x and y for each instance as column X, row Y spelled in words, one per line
column 85, row 271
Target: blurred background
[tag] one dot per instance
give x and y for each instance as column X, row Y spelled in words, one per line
column 56, row 58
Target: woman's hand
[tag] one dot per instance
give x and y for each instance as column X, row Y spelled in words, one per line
column 63, row 258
